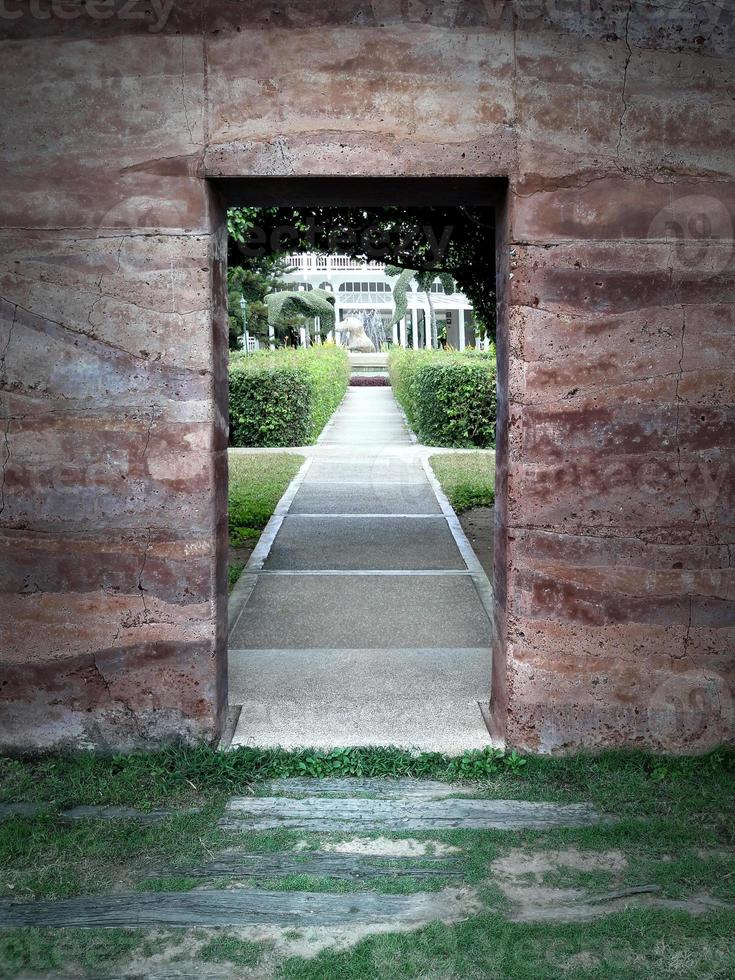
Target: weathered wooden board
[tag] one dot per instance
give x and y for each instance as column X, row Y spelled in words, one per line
column 238, row 907
column 92, row 812
column 345, row 815
column 418, row 789
column 18, row 810
column 235, row 864
column 122, row 813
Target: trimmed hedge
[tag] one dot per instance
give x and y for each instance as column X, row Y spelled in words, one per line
column 285, row 397
column 449, row 398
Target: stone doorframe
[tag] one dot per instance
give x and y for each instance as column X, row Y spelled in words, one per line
column 335, row 190
column 613, row 619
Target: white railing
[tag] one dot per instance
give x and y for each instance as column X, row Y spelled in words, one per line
column 314, row 262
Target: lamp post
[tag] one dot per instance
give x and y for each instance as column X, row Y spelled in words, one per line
column 244, row 312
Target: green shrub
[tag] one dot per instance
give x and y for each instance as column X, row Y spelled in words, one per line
column 284, row 397
column 449, row 398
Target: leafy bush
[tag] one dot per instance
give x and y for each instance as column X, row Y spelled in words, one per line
column 449, row 398
column 285, row 397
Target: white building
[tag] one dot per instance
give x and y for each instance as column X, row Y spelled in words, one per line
column 363, row 286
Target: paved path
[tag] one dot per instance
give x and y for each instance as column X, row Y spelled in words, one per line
column 362, row 617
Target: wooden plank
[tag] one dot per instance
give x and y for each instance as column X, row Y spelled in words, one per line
column 123, row 813
column 8, row 810
column 344, row 815
column 235, row 864
column 229, row 907
column 93, row 812
column 419, row 789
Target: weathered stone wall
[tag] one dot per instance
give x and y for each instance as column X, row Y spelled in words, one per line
column 612, row 122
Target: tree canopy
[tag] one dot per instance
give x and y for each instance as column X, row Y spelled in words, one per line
column 457, row 241
column 254, row 280
column 317, row 302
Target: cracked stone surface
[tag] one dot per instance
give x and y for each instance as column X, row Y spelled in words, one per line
column 615, row 613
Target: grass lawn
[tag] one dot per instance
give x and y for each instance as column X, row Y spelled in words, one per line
column 257, row 482
column 672, row 829
column 468, row 479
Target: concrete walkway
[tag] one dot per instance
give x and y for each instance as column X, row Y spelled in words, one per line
column 362, row 616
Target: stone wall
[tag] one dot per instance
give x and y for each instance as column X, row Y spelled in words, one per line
column 612, row 122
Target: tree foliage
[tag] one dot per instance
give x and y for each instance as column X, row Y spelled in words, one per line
column 254, row 280
column 400, row 291
column 284, row 305
column 424, row 280
column 455, row 241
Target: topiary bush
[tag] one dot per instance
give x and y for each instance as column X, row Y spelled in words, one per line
column 449, row 398
column 284, row 397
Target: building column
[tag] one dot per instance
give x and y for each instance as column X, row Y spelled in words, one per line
column 403, row 332
column 415, row 327
column 395, row 333
column 460, row 324
column 427, row 327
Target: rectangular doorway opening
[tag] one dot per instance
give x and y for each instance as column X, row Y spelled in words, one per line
column 360, row 358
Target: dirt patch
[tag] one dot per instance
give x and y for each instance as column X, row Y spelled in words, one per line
column 518, row 865
column 478, row 524
column 520, row 875
column 451, row 905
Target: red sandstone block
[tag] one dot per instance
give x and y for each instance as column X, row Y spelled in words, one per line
column 556, row 432
column 614, row 278
column 174, row 571
column 624, row 209
column 613, row 549
column 123, row 698
column 624, row 492
column 445, row 83
column 129, row 100
column 57, row 625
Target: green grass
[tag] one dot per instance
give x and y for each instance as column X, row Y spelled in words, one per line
column 636, row 943
column 46, row 857
column 230, row 949
column 66, row 952
column 257, row 482
column 673, row 825
column 468, row 479
column 183, row 776
column 188, row 776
